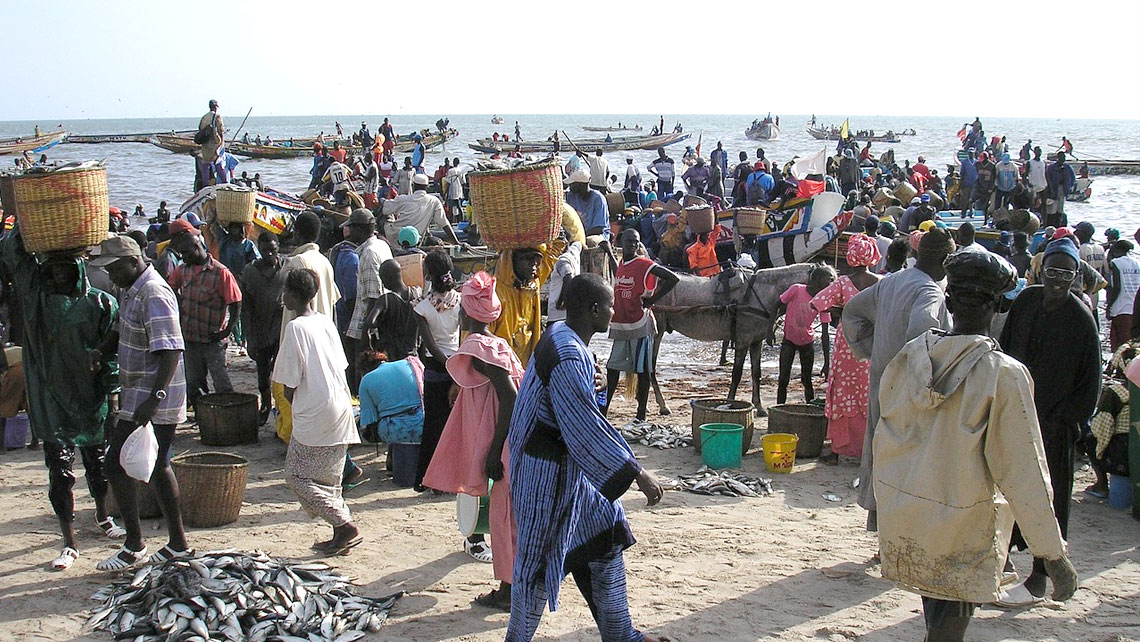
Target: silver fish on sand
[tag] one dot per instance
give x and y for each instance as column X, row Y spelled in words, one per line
column 237, row 597
column 720, row 482
column 662, row 436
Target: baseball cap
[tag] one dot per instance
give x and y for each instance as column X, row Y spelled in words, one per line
column 115, row 248
column 194, row 220
column 579, row 176
column 359, row 216
column 183, row 226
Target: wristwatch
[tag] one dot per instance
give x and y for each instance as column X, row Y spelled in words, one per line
column 159, row 394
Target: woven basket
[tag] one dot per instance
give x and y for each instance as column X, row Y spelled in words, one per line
column 61, row 210
column 709, row 411
column 227, row 418
column 211, row 486
column 701, row 218
column 235, row 204
column 750, row 220
column 806, row 421
column 516, row 208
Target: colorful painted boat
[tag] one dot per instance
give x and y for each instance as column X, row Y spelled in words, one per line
column 272, row 209
column 491, row 146
column 404, row 144
column 32, row 144
column 175, row 143
column 820, row 133
column 92, row 139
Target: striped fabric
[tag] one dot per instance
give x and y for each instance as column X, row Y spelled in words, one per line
column 568, row 467
column 148, row 322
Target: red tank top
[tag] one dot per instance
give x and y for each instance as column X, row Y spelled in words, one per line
column 631, row 283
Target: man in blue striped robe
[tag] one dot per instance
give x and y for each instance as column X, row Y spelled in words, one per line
column 569, row 466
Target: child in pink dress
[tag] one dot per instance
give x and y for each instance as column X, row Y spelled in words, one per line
column 471, row 447
column 799, row 336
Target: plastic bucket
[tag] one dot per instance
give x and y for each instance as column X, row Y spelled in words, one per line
column 721, row 445
column 1119, row 491
column 473, row 514
column 405, row 461
column 779, row 451
column 16, row 431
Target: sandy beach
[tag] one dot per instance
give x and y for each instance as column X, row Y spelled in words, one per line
column 791, row 566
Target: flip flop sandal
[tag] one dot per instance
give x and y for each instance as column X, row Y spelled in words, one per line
column 111, row 529
column 479, row 551
column 66, row 558
column 348, row 487
column 165, row 554
column 343, row 549
column 1016, row 598
column 122, row 560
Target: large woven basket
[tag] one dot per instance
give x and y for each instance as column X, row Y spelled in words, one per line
column 750, row 220
column 227, row 418
column 61, row 210
column 713, row 410
column 520, row 207
column 806, row 421
column 235, row 204
column 211, row 486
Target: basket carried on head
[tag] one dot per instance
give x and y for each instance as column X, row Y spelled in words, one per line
column 211, row 486
column 520, row 207
column 227, row 418
column 234, row 204
column 62, row 209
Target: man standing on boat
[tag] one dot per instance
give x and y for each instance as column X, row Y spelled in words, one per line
column 211, row 150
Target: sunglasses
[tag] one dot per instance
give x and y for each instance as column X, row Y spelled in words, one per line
column 1060, row 274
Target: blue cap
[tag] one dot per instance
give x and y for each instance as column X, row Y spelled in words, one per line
column 193, row 219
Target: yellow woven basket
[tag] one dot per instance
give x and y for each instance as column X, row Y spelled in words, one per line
column 520, row 207
column 62, row 210
column 235, row 204
column 750, row 220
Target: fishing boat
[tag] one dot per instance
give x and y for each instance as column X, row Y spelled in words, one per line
column 491, row 146
column 794, row 233
column 273, row 210
column 822, row 133
column 908, row 132
column 764, row 129
column 175, row 143
column 404, row 144
column 1104, row 167
column 497, row 120
column 619, row 128
column 33, row 144
column 92, row 139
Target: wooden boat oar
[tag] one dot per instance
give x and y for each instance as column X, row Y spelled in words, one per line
column 577, row 150
column 242, row 124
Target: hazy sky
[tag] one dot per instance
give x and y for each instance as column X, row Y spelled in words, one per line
column 160, row 58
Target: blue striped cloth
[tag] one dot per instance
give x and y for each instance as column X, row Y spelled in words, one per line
column 568, row 468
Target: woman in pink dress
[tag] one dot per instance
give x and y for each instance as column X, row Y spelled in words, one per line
column 848, row 381
column 470, row 450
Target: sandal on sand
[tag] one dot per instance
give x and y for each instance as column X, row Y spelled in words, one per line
column 111, row 529
column 342, row 549
column 480, row 551
column 122, row 560
column 165, row 554
column 66, row 558
column 1016, row 598
column 494, row 600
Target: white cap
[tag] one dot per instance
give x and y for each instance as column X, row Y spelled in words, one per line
column 420, row 179
column 579, row 176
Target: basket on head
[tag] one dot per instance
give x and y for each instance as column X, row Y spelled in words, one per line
column 234, row 204
column 519, row 207
column 211, row 486
column 63, row 209
column 691, row 200
column 701, row 218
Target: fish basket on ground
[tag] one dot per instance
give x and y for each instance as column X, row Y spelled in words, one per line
column 227, row 418
column 235, row 204
column 711, row 410
column 749, row 220
column 520, row 207
column 779, row 452
column 806, row 421
column 62, row 209
column 211, row 486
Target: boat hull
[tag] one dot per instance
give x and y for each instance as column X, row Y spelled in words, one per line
column 94, row 139
column 827, row 134
column 489, row 146
column 34, row 144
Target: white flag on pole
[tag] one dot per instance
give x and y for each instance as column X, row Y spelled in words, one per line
column 815, row 164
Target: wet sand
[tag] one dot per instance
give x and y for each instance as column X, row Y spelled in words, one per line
column 791, row 566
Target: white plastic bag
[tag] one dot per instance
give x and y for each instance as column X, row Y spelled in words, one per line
column 140, row 452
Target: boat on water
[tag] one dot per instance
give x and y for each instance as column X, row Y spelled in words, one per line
column 497, row 120
column 1103, row 166
column 176, row 143
column 491, row 146
column 273, row 210
column 92, row 139
column 832, row 133
column 908, row 132
column 794, row 233
column 764, row 129
column 619, row 128
column 404, row 144
column 33, row 144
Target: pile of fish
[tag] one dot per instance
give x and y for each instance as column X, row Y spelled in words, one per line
column 721, row 482
column 228, row 595
column 657, row 435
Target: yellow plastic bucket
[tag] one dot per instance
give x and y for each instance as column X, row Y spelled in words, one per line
column 779, row 451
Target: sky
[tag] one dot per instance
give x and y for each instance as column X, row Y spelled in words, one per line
column 166, row 58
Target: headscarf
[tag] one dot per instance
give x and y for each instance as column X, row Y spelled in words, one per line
column 926, row 225
column 915, row 239
column 478, row 298
column 862, row 251
column 937, row 241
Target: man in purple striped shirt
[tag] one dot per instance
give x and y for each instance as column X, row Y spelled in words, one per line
column 148, row 339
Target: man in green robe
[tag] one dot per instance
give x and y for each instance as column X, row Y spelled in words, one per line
column 64, row 319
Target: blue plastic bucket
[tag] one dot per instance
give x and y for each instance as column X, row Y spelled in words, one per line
column 1119, row 491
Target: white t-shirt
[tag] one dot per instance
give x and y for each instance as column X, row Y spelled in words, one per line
column 311, row 360
column 1037, row 174
column 599, row 170
column 418, row 209
column 338, row 174
column 568, row 266
column 444, row 326
column 454, row 184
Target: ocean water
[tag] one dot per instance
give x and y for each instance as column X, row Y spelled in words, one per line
column 143, row 173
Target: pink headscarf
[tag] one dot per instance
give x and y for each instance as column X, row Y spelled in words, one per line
column 862, row 251
column 915, row 237
column 478, row 298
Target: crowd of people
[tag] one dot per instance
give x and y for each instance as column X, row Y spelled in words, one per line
column 944, row 350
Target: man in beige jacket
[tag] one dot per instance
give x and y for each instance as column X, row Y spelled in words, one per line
column 957, row 425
